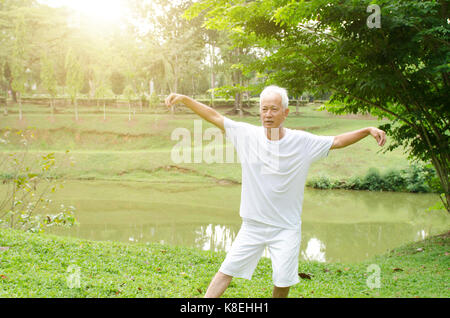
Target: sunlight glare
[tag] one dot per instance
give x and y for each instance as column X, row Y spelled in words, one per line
column 99, row 10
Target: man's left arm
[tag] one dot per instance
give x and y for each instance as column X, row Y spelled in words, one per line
column 349, row 138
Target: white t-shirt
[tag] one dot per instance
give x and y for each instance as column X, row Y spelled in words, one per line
column 274, row 172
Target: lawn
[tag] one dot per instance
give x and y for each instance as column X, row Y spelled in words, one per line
column 43, row 265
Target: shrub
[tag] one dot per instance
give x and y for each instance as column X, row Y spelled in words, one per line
column 394, row 180
column 373, row 180
column 321, row 182
column 29, row 189
column 416, row 178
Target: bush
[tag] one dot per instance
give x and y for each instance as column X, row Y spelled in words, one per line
column 354, row 183
column 29, row 183
column 395, row 180
column 322, row 183
column 373, row 180
column 416, row 178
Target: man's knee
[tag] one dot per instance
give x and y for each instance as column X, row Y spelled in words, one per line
column 223, row 277
column 218, row 285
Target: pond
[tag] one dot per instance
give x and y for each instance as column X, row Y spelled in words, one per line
column 337, row 225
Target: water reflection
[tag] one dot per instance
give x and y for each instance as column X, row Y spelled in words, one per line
column 320, row 242
column 337, row 226
column 314, row 251
column 214, row 237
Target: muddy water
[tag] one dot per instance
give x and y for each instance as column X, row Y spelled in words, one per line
column 337, row 226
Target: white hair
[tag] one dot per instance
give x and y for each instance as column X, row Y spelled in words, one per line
column 276, row 89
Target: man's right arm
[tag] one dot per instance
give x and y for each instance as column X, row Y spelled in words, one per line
column 205, row 112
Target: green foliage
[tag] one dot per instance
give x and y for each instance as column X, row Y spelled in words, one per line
column 154, row 100
column 48, row 76
column 395, row 180
column 416, row 178
column 117, row 83
column 29, row 185
column 129, row 92
column 399, row 71
column 18, row 58
column 74, row 75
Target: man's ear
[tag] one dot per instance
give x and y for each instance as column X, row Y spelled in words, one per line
column 286, row 111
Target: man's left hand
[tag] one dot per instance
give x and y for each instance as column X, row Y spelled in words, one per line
column 379, row 135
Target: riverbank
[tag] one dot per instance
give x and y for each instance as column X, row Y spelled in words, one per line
column 43, row 265
column 117, row 148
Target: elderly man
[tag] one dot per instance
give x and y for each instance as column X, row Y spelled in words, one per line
column 275, row 162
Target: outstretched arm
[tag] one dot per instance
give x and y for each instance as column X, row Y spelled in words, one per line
column 200, row 109
column 349, row 138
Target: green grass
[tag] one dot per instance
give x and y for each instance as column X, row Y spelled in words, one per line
column 36, row 265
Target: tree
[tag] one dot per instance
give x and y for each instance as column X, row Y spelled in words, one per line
column 117, row 83
column 18, row 61
column 129, row 94
column 235, row 51
column 74, row 78
column 48, row 79
column 175, row 46
column 399, row 71
column 100, row 93
column 4, row 69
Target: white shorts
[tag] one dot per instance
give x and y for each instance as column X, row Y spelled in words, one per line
column 247, row 248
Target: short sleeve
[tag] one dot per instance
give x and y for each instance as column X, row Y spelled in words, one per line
column 318, row 146
column 236, row 131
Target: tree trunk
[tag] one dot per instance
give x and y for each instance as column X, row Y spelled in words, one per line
column 238, row 82
column 193, row 87
column 19, row 99
column 13, row 93
column 213, row 77
column 76, row 109
column 5, row 111
column 52, row 107
column 441, row 165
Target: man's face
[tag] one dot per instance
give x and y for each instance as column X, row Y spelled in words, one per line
column 271, row 111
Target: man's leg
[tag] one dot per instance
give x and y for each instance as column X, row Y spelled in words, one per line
column 218, row 285
column 284, row 251
column 280, row 292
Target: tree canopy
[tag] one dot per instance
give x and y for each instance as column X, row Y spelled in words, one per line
column 399, row 70
column 389, row 58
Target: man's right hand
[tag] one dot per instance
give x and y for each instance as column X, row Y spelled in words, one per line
column 205, row 112
column 173, row 99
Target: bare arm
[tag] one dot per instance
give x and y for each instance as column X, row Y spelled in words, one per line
column 205, row 112
column 349, row 138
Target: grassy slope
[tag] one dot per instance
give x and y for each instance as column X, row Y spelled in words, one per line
column 131, row 150
column 35, row 265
